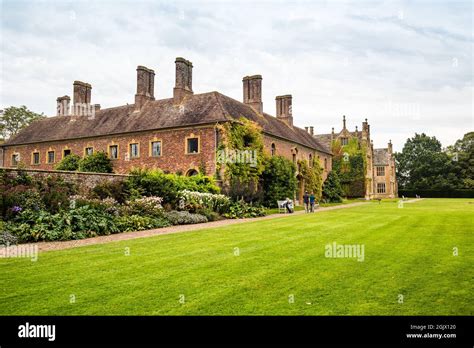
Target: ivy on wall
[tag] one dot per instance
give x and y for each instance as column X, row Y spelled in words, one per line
column 312, row 177
column 241, row 149
column 350, row 164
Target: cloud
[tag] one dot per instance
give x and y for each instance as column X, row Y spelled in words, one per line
column 406, row 66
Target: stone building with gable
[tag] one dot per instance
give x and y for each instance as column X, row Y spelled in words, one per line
column 380, row 178
column 179, row 134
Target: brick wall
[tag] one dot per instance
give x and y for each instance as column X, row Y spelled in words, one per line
column 173, row 157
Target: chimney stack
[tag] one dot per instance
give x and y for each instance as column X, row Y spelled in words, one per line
column 253, row 92
column 62, row 105
column 343, row 122
column 390, row 148
column 81, row 98
column 311, row 130
column 145, row 86
column 284, row 109
column 306, row 129
column 184, row 79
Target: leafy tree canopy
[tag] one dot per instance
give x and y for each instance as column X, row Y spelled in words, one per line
column 14, row 119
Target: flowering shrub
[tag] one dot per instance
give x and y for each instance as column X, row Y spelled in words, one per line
column 184, row 217
column 191, row 200
column 108, row 205
column 146, row 206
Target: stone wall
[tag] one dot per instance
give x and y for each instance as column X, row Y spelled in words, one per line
column 88, row 180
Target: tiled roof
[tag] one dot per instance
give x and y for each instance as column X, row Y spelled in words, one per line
column 205, row 108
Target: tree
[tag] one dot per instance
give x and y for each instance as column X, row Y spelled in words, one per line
column 98, row 162
column 14, row 119
column 332, row 190
column 70, row 162
column 312, row 176
column 462, row 153
column 423, row 165
column 278, row 180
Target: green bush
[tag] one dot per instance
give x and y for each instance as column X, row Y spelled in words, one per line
column 279, row 180
column 242, row 209
column 168, row 186
column 184, row 218
column 98, row 162
column 137, row 223
column 146, row 206
column 208, row 213
column 70, row 163
column 191, row 201
column 332, row 190
column 55, row 192
column 116, row 189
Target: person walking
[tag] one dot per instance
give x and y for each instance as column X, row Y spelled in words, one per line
column 311, row 201
column 289, row 205
column 306, row 201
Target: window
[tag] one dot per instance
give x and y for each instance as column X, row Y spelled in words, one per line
column 88, row 151
column 344, row 141
column 15, row 159
column 35, row 159
column 113, row 151
column 66, row 152
column 155, row 148
column 294, row 158
column 51, row 156
column 326, row 164
column 134, row 150
column 273, row 149
column 381, row 187
column 192, row 145
column 380, row 171
column 310, row 160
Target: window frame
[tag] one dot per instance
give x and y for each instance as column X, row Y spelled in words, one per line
column 192, row 136
column 33, row 163
column 85, row 150
column 47, row 156
column 380, row 169
column 130, row 150
column 109, row 152
column 155, row 140
column 14, row 161
column 381, row 188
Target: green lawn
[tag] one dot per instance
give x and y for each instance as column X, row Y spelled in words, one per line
column 408, row 252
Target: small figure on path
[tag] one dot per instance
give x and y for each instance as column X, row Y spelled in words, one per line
column 306, row 202
column 311, row 201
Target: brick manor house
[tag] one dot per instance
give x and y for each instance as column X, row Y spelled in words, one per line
column 380, row 178
column 177, row 134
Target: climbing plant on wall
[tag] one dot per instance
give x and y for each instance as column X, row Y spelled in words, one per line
column 312, row 176
column 349, row 162
column 240, row 154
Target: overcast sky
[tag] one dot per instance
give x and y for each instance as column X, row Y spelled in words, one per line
column 407, row 66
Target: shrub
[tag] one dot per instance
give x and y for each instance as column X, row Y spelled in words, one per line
column 209, row 214
column 138, row 223
column 70, row 163
column 184, row 217
column 6, row 238
column 191, row 200
column 146, row 206
column 17, row 198
column 116, row 189
column 156, row 183
column 107, row 205
column 242, row 209
column 279, row 180
column 332, row 189
column 98, row 162
column 55, row 192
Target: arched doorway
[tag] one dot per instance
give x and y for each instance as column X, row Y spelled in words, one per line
column 192, row 172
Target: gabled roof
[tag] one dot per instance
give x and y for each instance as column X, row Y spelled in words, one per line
column 196, row 109
column 381, row 157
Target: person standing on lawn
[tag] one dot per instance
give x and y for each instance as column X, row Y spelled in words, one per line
column 306, row 202
column 311, row 201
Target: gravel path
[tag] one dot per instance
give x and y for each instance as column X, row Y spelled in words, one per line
column 47, row 246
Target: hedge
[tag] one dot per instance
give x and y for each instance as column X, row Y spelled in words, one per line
column 466, row 193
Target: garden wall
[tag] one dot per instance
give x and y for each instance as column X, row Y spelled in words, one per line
column 88, row 180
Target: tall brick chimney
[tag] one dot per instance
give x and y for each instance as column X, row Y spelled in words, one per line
column 184, row 79
column 81, row 98
column 145, row 86
column 284, row 109
column 390, row 147
column 253, row 92
column 344, row 122
column 311, row 130
column 62, row 105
